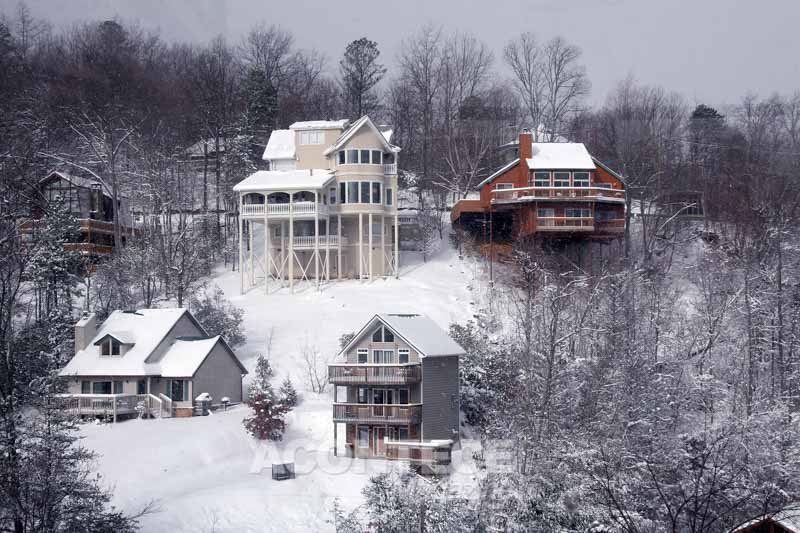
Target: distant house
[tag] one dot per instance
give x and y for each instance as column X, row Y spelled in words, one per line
column 162, row 358
column 401, row 396
column 550, row 190
column 785, row 521
column 91, row 202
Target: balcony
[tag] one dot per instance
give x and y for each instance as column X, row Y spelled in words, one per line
column 435, row 452
column 374, row 374
column 390, row 169
column 360, row 413
column 280, row 210
column 525, row 194
column 88, row 248
column 564, row 224
column 615, row 225
column 306, row 242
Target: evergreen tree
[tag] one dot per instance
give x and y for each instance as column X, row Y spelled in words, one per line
column 360, row 72
column 267, row 421
column 288, row 393
column 261, row 104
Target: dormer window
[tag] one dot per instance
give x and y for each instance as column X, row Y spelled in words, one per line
column 383, row 334
column 110, row 346
column 311, row 137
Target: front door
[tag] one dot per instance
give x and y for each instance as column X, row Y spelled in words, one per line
column 378, row 444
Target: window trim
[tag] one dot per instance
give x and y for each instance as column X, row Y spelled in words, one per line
column 387, row 193
column 540, row 172
column 332, row 195
column 588, row 178
column 312, row 137
column 403, row 352
column 562, row 182
column 503, row 186
column 365, row 353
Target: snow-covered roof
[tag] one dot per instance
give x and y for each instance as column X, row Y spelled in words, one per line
column 418, row 331
column 124, row 337
column 280, row 145
column 78, row 181
column 560, row 156
column 146, row 328
column 788, row 518
column 387, row 132
column 281, row 180
column 185, row 356
column 357, row 125
column 320, row 125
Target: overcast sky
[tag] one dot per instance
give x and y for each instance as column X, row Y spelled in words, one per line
column 712, row 51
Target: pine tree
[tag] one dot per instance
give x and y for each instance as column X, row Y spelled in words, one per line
column 360, row 72
column 267, row 421
column 288, row 393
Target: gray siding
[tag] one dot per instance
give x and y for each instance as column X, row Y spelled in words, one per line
column 219, row 375
column 440, row 403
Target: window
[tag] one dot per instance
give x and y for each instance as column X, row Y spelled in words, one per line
column 86, row 387
column 363, row 354
column 580, row 179
column 342, row 157
column 382, row 357
column 541, row 179
column 364, row 157
column 501, row 186
column 376, row 192
column 362, row 395
column 383, row 334
column 178, row 390
column 332, row 195
column 364, row 192
column 352, row 192
column 402, row 433
column 577, row 213
column 342, row 190
column 403, row 356
column 311, row 137
column 363, row 436
column 402, row 396
column 546, row 212
column 561, row 179
column 101, row 387
column 110, row 346
column 352, row 157
column 377, row 157
column 388, row 196
column 117, row 387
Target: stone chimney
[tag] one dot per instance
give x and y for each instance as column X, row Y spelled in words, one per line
column 525, row 144
column 85, row 330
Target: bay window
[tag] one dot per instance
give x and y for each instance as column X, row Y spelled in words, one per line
column 377, row 157
column 376, row 192
column 352, row 157
column 364, row 192
column 352, row 192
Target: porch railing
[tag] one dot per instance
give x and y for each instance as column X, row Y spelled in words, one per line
column 564, row 223
column 360, row 413
column 390, row 169
column 378, row 374
column 307, row 241
column 615, row 225
column 557, row 193
column 432, row 452
column 298, row 208
column 113, row 405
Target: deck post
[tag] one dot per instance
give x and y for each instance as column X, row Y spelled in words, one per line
column 114, row 407
column 339, row 250
column 396, row 247
column 250, row 260
column 267, row 250
column 316, row 238
column 241, row 229
column 291, row 241
column 334, row 438
column 360, row 246
column 383, row 245
column 328, row 248
column 369, row 239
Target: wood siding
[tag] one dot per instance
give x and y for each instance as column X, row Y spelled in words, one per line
column 440, row 400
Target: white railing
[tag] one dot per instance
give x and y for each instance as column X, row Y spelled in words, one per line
column 390, row 169
column 298, row 208
column 532, row 193
column 166, row 405
column 307, row 241
column 111, row 405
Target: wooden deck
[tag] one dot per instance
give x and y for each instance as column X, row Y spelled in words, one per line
column 114, row 405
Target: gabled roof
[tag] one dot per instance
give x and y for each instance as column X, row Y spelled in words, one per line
column 418, row 331
column 320, row 125
column 146, row 327
column 560, row 156
column 502, row 170
column 787, row 518
column 78, row 181
column 281, row 180
column 124, row 337
column 186, row 354
column 609, row 170
column 280, row 145
column 357, row 125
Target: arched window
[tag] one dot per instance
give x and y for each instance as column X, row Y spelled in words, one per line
column 278, row 198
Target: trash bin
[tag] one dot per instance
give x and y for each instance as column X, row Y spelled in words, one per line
column 202, row 404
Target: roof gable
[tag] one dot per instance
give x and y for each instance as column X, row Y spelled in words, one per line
column 418, row 331
column 186, row 355
column 354, row 128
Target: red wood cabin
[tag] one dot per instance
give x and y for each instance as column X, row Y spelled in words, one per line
column 551, row 189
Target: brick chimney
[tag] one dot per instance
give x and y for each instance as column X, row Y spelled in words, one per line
column 525, row 144
column 85, row 330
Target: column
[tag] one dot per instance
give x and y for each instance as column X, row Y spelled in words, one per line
column 267, row 250
column 339, row 249
column 241, row 228
column 369, row 239
column 291, row 241
column 283, row 251
column 383, row 245
column 360, row 246
column 250, row 259
column 396, row 247
column 316, row 238
column 328, row 248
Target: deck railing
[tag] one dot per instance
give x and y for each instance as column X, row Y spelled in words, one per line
column 390, row 169
column 564, row 223
column 113, row 405
column 557, row 193
column 361, row 413
column 297, row 208
column 433, row 452
column 615, row 225
column 378, row 374
column 307, row 241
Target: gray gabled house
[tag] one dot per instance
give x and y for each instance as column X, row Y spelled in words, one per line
column 156, row 360
column 400, row 390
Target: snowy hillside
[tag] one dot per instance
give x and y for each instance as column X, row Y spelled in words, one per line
column 205, row 473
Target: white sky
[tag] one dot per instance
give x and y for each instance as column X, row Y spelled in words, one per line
column 712, row 51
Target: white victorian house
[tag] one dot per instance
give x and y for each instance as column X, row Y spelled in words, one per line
column 326, row 208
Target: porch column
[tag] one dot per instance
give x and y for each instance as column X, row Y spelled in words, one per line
column 339, row 249
column 283, row 251
column 316, row 238
column 383, row 245
column 369, row 239
column 250, row 259
column 328, row 248
column 334, row 438
column 291, row 241
column 241, row 229
column 360, row 246
column 396, row 247
column 267, row 251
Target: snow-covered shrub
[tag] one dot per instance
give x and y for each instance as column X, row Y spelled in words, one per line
column 288, row 393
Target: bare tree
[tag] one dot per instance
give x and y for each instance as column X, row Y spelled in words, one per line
column 525, row 58
column 565, row 84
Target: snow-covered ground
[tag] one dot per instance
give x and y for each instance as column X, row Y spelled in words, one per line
column 207, row 474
